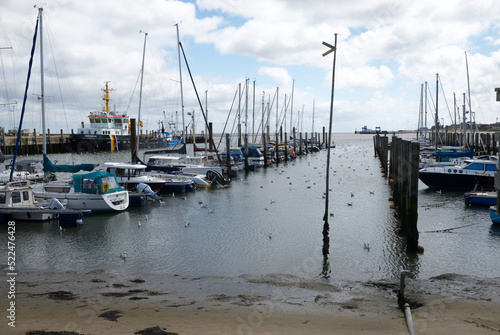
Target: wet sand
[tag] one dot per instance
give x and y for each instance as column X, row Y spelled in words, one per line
column 101, row 302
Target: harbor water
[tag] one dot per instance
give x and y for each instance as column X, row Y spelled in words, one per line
column 270, row 221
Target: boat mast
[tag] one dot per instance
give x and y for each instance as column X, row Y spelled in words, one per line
column 180, row 81
column 140, row 91
column 468, row 90
column 421, row 114
column 42, row 86
column 437, row 120
column 425, row 131
column 291, row 109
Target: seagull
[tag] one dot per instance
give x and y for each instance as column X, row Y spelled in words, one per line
column 211, row 211
column 270, row 235
column 204, row 206
column 352, row 195
column 438, row 192
column 372, row 192
column 123, row 255
column 273, row 201
column 367, row 246
column 147, row 218
column 187, row 224
column 265, row 208
column 139, row 224
column 60, row 228
column 349, row 204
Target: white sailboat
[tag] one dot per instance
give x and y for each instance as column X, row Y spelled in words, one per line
column 97, row 191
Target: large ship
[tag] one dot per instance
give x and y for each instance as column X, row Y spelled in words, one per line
column 110, row 131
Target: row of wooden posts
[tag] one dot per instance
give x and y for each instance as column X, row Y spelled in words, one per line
column 484, row 143
column 402, row 170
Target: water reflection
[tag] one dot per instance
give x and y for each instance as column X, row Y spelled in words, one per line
column 286, row 202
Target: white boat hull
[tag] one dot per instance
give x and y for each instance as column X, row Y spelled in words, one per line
column 109, row 202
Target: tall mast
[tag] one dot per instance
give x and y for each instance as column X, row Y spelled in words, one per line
column 470, row 107
column 291, row 108
column 253, row 112
column 180, row 81
column 421, row 114
column 42, row 88
column 425, row 108
column 437, row 119
column 140, row 91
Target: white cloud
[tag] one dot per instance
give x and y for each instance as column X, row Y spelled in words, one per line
column 385, row 49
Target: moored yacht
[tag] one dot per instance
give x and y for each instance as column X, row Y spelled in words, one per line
column 472, row 173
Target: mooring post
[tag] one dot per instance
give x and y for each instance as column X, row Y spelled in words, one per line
column 300, row 143
column 286, row 148
column 228, row 156
column 245, row 149
column 133, row 141
column 412, row 216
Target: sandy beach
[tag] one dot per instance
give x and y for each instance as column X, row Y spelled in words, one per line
column 100, row 302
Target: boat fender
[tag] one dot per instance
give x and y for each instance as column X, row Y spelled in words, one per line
column 105, row 187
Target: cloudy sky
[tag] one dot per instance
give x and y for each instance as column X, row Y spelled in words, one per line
column 386, row 50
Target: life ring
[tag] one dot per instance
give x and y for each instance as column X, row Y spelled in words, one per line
column 105, row 187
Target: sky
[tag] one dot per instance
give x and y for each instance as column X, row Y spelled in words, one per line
column 386, row 51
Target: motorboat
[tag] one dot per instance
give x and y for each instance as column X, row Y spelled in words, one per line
column 130, row 175
column 18, row 203
column 470, row 174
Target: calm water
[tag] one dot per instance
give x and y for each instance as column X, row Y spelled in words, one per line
column 286, row 202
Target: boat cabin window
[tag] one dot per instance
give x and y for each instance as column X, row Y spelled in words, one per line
column 118, row 121
column 491, row 167
column 111, row 182
column 3, row 198
column 16, row 197
column 88, row 184
column 26, row 196
column 475, row 166
column 91, row 120
column 97, row 120
column 104, row 121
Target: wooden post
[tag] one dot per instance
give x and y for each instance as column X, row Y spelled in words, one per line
column 300, row 143
column 228, row 156
column 210, row 136
column 295, row 140
column 412, row 232
column 306, row 146
column 264, row 143
column 245, row 145
column 133, row 141
column 286, row 148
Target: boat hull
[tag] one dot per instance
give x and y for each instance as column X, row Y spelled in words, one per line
column 110, row 202
column 97, row 142
column 455, row 181
column 481, row 198
column 494, row 216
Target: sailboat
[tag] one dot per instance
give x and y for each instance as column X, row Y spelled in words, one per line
column 17, row 200
column 97, row 191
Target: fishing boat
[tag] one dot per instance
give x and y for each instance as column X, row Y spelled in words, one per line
column 472, row 173
column 98, row 191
